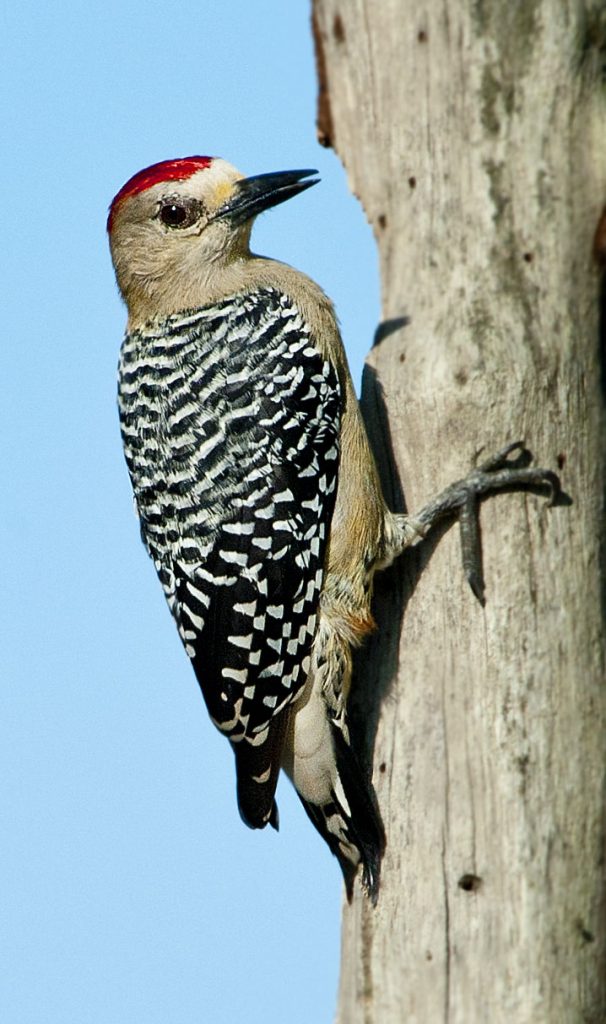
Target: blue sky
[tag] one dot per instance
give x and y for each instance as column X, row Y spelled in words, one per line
column 131, row 891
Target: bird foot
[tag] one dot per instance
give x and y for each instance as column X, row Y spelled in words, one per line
column 509, row 469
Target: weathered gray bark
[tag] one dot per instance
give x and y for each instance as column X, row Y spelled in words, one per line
column 474, row 132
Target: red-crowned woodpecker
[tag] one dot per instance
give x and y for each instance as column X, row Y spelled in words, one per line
column 256, row 489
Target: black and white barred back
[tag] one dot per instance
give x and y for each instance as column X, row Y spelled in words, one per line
column 230, row 421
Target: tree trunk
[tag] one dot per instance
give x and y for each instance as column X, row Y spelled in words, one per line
column 474, row 132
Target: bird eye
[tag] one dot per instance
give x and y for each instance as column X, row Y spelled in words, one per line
column 180, row 214
column 173, row 215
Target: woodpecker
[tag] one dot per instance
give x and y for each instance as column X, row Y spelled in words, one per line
column 256, row 489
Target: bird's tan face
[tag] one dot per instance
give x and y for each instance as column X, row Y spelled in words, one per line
column 167, row 243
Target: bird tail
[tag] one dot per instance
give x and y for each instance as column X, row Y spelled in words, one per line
column 257, row 770
column 350, row 822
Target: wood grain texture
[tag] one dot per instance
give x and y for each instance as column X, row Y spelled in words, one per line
column 474, row 133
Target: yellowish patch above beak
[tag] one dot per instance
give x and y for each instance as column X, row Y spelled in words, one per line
column 223, row 193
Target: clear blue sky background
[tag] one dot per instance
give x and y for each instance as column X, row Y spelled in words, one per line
column 131, row 892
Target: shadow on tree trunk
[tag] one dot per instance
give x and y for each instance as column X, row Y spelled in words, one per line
column 376, row 664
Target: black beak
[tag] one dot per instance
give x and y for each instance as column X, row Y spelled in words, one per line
column 253, row 195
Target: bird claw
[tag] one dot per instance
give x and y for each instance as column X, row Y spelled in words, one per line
column 519, row 472
column 500, row 472
column 502, row 460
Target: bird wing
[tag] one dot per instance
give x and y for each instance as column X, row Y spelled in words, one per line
column 234, row 462
column 230, row 418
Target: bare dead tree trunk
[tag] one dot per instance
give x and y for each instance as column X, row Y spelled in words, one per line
column 474, row 132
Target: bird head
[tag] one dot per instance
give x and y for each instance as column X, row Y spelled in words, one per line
column 177, row 225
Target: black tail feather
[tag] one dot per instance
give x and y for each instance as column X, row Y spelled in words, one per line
column 362, row 826
column 257, row 770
